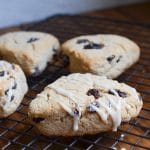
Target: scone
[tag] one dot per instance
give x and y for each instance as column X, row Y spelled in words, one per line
column 81, row 104
column 31, row 50
column 13, row 87
column 102, row 54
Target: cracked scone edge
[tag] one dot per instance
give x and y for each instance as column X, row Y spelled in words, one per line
column 64, row 108
column 13, row 88
column 31, row 50
column 95, row 60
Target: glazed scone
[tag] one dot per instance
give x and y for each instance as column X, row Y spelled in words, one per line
column 31, row 50
column 13, row 87
column 102, row 54
column 81, row 104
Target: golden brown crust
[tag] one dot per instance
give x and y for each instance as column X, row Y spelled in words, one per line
column 31, row 50
column 13, row 88
column 53, row 119
column 118, row 54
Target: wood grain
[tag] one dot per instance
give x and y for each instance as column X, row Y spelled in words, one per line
column 136, row 12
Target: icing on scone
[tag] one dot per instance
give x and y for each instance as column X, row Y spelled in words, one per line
column 67, row 108
column 107, row 103
column 112, row 108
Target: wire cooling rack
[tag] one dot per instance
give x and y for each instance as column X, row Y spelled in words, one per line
column 17, row 133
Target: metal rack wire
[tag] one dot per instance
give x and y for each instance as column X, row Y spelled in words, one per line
column 17, row 133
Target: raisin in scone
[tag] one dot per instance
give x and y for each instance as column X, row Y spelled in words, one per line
column 31, row 50
column 13, row 87
column 102, row 54
column 81, row 104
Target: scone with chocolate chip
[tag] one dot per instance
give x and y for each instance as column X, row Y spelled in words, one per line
column 102, row 54
column 80, row 104
column 13, row 87
column 31, row 50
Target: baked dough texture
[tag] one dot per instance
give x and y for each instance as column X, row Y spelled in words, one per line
column 80, row 104
column 102, row 54
column 31, row 50
column 13, row 87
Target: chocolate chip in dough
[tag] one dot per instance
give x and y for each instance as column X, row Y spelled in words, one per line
column 38, row 120
column 32, row 40
column 15, row 86
column 93, row 46
column 76, row 112
column 110, row 58
column 2, row 73
column 119, row 58
column 48, row 96
column 93, row 92
column 12, row 98
column 120, row 93
column 6, row 92
column 80, row 41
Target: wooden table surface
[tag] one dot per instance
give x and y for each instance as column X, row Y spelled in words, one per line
column 136, row 12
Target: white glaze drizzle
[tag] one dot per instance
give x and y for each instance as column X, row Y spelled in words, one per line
column 114, row 111
column 76, row 123
column 67, row 108
column 63, row 92
column 100, row 112
column 116, row 115
column 70, row 111
column 87, row 80
column 122, row 100
column 132, row 90
column 42, row 95
column 115, row 93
